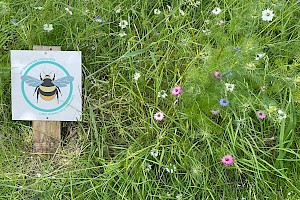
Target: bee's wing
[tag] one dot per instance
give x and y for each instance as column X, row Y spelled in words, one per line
column 34, row 82
column 63, row 82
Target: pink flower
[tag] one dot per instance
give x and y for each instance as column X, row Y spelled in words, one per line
column 217, row 74
column 159, row 116
column 227, row 160
column 215, row 112
column 261, row 114
column 176, row 90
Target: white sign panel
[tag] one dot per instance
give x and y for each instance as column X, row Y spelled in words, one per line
column 46, row 85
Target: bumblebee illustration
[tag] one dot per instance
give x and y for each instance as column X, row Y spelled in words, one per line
column 47, row 88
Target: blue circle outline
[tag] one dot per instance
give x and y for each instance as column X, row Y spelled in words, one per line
column 41, row 109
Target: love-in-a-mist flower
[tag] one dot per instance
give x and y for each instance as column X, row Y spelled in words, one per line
column 215, row 112
column 117, row 9
column 98, row 19
column 224, row 102
column 48, row 27
column 229, row 87
column 281, row 115
column 227, row 159
column 162, row 94
column 176, row 90
column 159, row 116
column 123, row 24
column 259, row 56
column 157, row 11
column 216, row 11
column 267, row 15
column 217, row 74
column 263, row 88
column 181, row 12
column 260, row 114
column 136, row 76
column 154, row 153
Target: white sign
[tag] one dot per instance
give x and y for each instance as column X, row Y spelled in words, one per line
column 46, row 85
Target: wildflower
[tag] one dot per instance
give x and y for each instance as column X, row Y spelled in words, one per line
column 229, row 87
column 263, row 88
column 216, row 11
column 69, row 11
column 267, row 15
column 259, row 56
column 271, row 109
column 136, row 76
column 237, row 49
column 250, row 66
column 221, row 22
column 181, row 12
column 281, row 115
column 179, row 196
column 227, row 160
column 217, row 74
column 207, row 21
column 224, row 102
column 260, row 114
column 48, row 27
column 215, row 112
column 172, row 169
column 169, row 7
column 123, row 24
column 14, row 22
column 38, row 8
column 98, row 19
column 162, row 94
column 118, row 9
column 206, row 31
column 87, row 11
column 154, row 153
column 38, row 175
column 176, row 90
column 122, row 34
column 157, row 11
column 159, row 116
column 148, row 167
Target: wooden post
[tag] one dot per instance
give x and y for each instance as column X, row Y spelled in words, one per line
column 46, row 134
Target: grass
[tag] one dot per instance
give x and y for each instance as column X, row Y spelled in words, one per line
column 108, row 154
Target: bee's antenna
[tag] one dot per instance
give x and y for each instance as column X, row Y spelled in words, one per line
column 50, row 73
column 44, row 72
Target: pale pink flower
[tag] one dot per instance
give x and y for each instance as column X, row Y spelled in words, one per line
column 176, row 90
column 215, row 112
column 227, row 160
column 217, row 74
column 159, row 116
column 261, row 114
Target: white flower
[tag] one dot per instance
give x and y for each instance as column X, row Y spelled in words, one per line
column 229, row 87
column 197, row 3
column 48, row 27
column 122, row 34
column 267, row 15
column 179, row 196
column 221, row 22
column 289, row 193
column 156, row 11
column 281, row 115
column 69, row 11
column 118, row 9
column 162, row 94
column 154, row 153
column 206, row 31
column 169, row 8
column 38, row 8
column 86, row 12
column 123, row 24
column 259, row 56
column 148, row 167
column 38, row 175
column 172, row 169
column 136, row 76
column 216, row 11
column 181, row 12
